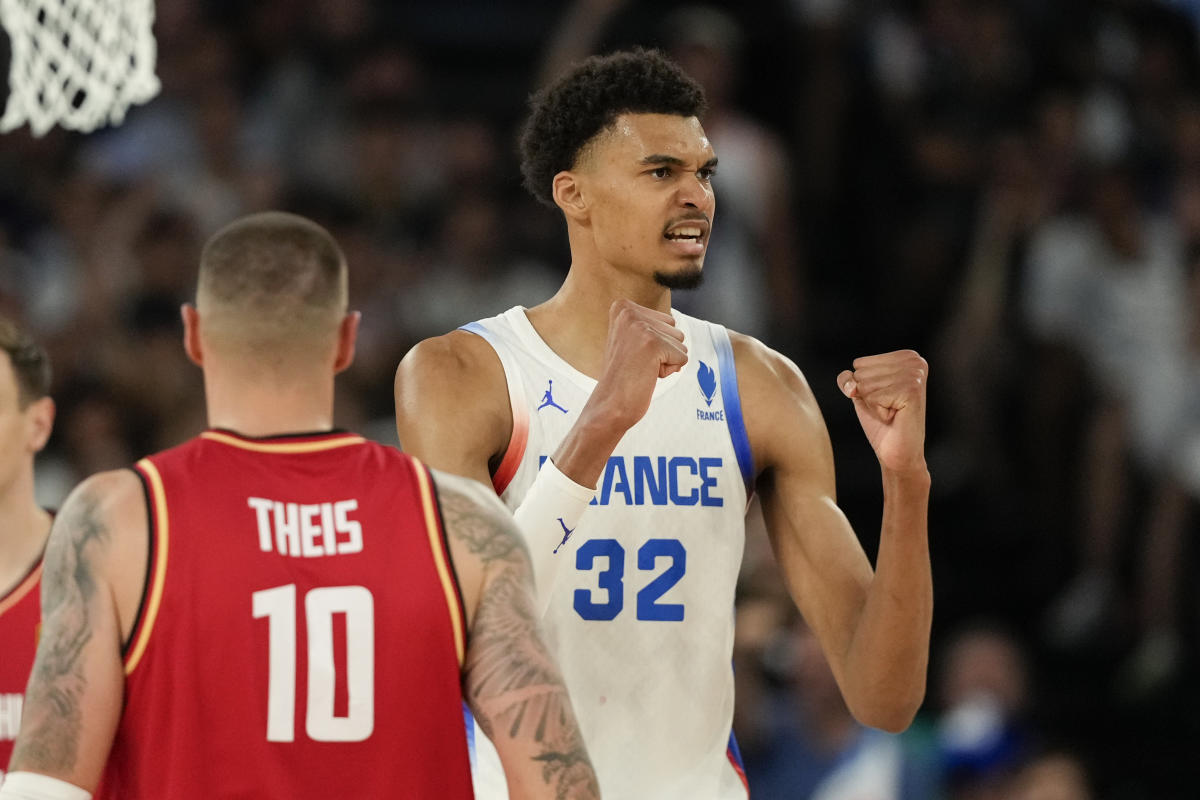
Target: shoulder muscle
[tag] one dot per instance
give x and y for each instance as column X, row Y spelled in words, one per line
column 783, row 420
column 105, row 517
column 452, row 408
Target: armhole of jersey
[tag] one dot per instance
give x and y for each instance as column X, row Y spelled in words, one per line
column 141, row 609
column 158, row 525
column 520, row 411
column 733, row 406
column 440, row 550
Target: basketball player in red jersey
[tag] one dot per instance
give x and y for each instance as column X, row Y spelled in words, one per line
column 26, row 416
column 261, row 613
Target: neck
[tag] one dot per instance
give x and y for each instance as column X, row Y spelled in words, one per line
column 268, row 404
column 574, row 322
column 24, row 528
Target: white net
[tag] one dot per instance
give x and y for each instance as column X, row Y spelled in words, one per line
column 77, row 63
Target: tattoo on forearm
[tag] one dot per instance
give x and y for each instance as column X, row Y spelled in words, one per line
column 49, row 740
column 511, row 680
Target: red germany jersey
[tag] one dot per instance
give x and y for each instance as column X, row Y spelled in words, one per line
column 301, row 634
column 20, row 615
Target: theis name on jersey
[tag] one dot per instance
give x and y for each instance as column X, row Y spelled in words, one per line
column 304, row 530
column 659, row 481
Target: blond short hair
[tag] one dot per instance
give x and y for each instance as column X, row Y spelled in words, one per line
column 272, row 283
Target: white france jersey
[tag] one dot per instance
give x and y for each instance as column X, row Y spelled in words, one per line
column 641, row 618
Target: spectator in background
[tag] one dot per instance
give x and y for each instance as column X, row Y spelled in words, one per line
column 755, row 281
column 812, row 748
column 470, row 271
column 982, row 725
column 1107, row 287
column 1053, row 776
column 1165, row 405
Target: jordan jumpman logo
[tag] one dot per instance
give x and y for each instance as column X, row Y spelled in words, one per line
column 566, row 533
column 548, row 400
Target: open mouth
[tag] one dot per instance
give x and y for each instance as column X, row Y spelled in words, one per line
column 687, row 236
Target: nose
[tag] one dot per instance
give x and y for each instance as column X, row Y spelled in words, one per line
column 695, row 193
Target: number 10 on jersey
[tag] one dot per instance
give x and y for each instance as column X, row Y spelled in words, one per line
column 278, row 605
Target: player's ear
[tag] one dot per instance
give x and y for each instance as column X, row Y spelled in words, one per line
column 191, row 334
column 568, row 194
column 347, row 338
column 40, row 415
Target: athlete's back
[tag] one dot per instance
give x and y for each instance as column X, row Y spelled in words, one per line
column 301, row 633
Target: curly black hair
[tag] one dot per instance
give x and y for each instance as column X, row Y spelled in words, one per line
column 568, row 113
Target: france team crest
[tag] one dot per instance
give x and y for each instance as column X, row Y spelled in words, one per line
column 708, row 382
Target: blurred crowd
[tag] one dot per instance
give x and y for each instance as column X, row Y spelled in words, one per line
column 1011, row 187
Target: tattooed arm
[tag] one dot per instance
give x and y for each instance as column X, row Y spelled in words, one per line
column 510, row 679
column 73, row 701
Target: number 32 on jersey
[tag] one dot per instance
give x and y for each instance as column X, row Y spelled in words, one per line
column 611, row 580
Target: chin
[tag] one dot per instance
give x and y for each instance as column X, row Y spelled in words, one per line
column 689, row 277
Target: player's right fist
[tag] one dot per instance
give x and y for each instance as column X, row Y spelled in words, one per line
column 643, row 346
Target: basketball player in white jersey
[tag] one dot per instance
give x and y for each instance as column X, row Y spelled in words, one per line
column 627, row 437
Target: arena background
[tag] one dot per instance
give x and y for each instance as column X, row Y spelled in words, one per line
column 1011, row 188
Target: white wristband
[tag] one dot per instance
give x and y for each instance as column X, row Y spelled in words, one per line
column 32, row 786
column 548, row 516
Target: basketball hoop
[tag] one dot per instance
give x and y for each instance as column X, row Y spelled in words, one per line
column 77, row 63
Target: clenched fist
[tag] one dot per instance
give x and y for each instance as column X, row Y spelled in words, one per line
column 889, row 397
column 643, row 346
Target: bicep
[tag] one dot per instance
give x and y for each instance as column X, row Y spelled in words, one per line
column 451, row 405
column 73, row 701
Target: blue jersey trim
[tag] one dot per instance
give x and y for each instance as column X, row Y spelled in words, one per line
column 476, row 328
column 470, row 721
column 733, row 407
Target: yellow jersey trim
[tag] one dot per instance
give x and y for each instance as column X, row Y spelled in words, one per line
column 283, row 447
column 159, row 574
column 439, row 559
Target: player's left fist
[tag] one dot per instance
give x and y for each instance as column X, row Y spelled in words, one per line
column 888, row 392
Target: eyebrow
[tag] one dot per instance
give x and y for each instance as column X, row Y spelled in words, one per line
column 676, row 162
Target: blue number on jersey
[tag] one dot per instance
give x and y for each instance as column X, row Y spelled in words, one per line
column 611, row 580
column 647, row 607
